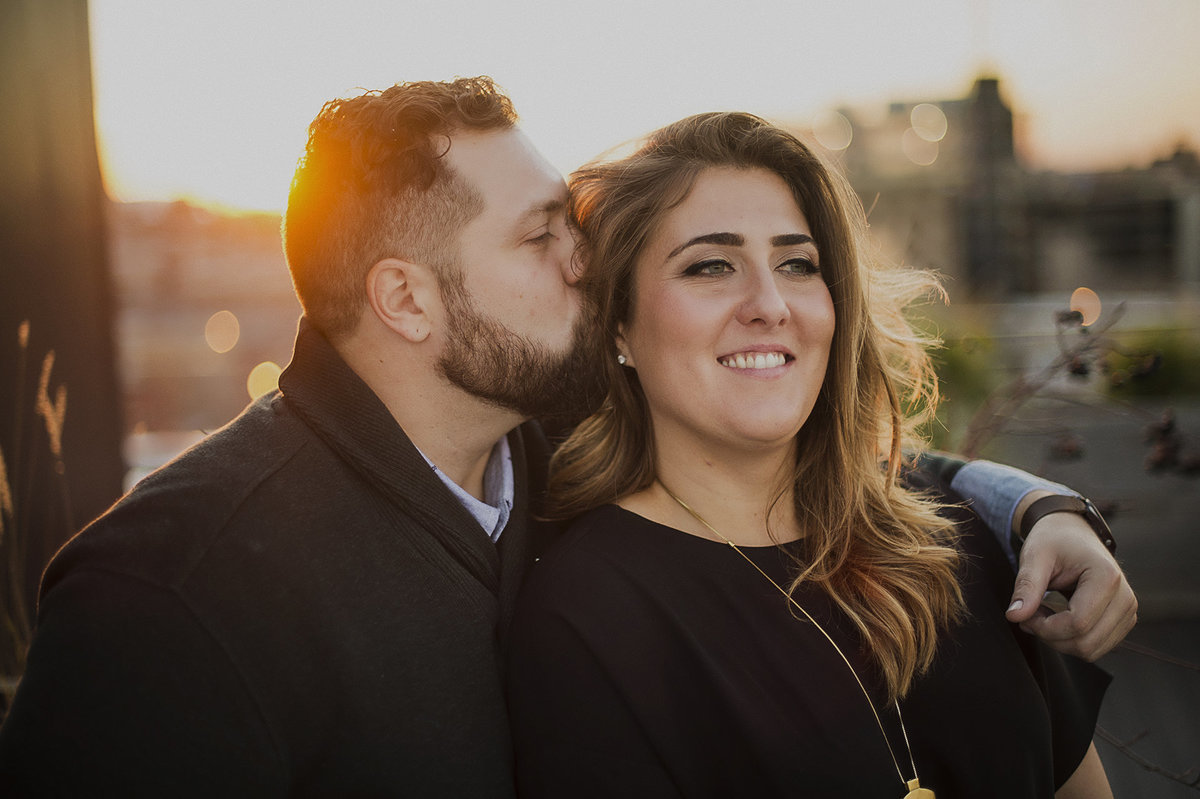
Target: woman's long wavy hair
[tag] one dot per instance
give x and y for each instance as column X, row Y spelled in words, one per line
column 880, row 550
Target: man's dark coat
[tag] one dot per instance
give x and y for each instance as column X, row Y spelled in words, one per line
column 295, row 607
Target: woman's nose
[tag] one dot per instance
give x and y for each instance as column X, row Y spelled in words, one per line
column 763, row 304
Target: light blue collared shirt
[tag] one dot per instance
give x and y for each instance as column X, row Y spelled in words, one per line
column 996, row 491
column 493, row 510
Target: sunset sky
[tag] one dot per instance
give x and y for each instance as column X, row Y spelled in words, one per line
column 209, row 101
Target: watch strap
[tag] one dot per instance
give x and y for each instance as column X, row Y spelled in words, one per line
column 1060, row 503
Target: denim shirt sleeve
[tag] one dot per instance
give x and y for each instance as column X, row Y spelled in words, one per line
column 995, row 491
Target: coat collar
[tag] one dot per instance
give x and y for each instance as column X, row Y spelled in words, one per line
column 348, row 416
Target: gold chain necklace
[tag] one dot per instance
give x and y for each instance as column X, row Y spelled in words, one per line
column 915, row 791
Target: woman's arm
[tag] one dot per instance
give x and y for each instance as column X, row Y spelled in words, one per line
column 1089, row 780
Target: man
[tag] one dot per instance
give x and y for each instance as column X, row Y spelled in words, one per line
column 305, row 604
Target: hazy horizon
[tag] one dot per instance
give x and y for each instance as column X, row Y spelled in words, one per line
column 211, row 102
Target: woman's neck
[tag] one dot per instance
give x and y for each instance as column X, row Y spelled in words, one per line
column 748, row 499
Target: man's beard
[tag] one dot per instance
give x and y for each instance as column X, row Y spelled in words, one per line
column 490, row 361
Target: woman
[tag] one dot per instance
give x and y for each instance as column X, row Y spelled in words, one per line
column 756, row 601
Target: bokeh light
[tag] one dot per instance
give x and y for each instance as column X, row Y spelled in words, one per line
column 833, row 131
column 263, row 378
column 222, row 331
column 920, row 151
column 1087, row 303
column 929, row 122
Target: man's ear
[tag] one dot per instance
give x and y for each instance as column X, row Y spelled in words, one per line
column 401, row 295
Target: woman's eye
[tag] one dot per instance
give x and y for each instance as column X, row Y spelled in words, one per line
column 800, row 266
column 711, row 267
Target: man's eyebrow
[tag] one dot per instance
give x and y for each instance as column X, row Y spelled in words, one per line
column 548, row 208
column 726, row 239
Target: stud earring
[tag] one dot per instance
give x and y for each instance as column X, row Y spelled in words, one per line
column 621, row 359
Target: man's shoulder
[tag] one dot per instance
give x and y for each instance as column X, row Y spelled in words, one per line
column 263, row 459
column 238, row 455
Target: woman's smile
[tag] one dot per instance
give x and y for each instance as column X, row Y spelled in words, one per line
column 755, row 360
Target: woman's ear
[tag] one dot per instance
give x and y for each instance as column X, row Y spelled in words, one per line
column 401, row 295
column 624, row 354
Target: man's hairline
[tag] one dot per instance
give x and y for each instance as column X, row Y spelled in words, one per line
column 549, row 205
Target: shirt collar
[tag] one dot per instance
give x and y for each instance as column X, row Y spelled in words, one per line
column 493, row 510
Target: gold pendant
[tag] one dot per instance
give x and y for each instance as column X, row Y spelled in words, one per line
column 915, row 791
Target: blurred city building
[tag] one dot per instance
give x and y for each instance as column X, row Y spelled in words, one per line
column 946, row 190
column 204, row 299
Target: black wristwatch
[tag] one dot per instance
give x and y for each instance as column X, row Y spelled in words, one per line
column 1057, row 503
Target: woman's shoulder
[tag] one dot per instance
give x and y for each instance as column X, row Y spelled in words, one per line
column 600, row 538
column 599, row 531
column 598, row 581
column 610, row 550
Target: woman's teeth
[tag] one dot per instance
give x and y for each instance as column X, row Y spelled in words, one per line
column 755, row 360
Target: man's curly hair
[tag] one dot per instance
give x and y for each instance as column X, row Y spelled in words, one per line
column 373, row 184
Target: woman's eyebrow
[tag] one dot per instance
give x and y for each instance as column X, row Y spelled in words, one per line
column 737, row 240
column 791, row 239
column 727, row 239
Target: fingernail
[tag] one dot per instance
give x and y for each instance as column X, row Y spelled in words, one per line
column 1016, row 605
